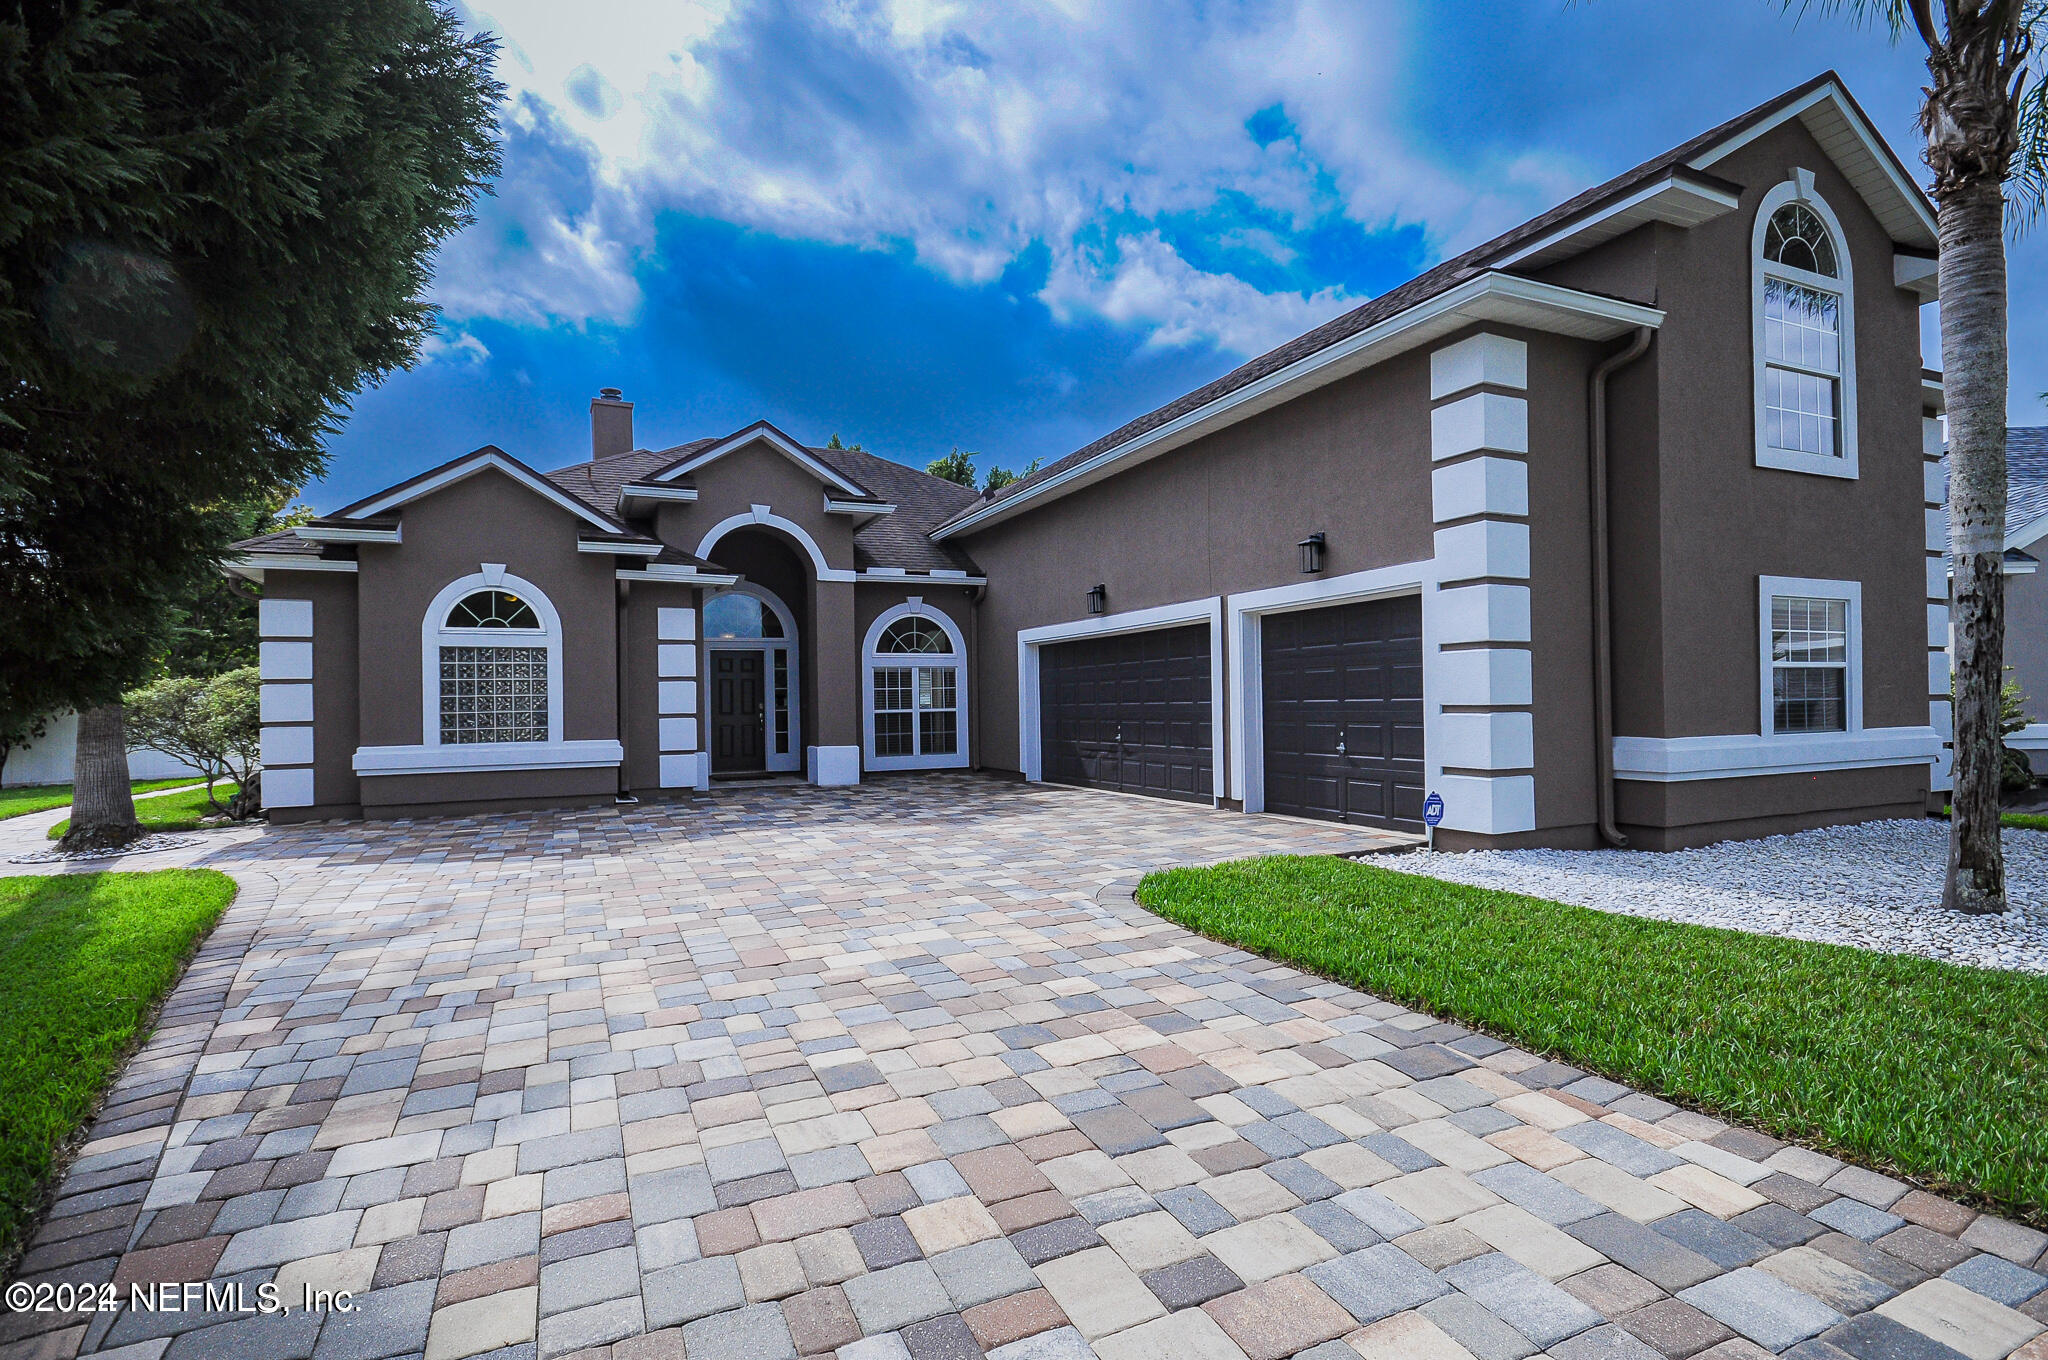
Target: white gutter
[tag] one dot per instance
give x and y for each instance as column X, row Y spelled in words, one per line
column 1506, row 298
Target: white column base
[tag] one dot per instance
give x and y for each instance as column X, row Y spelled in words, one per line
column 831, row 766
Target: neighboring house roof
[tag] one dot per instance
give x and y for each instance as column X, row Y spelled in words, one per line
column 2026, row 481
column 1907, row 214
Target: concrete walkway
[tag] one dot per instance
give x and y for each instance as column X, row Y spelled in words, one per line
column 902, row 1071
column 29, row 834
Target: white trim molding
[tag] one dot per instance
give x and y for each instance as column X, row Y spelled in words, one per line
column 678, row 738
column 1504, row 299
column 470, row 757
column 1664, row 760
column 1247, row 613
column 956, row 661
column 434, row 634
column 767, row 518
column 285, row 701
column 1479, row 726
column 2032, row 737
column 1799, row 189
column 1209, row 610
column 1851, row 594
column 251, row 566
column 673, row 573
column 619, row 547
column 331, row 533
column 642, row 491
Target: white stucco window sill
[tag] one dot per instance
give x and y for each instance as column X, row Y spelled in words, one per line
column 1679, row 758
column 507, row 755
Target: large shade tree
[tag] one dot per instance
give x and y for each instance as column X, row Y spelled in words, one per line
column 217, row 219
column 1985, row 116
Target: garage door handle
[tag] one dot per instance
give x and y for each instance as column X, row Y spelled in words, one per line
column 1340, row 746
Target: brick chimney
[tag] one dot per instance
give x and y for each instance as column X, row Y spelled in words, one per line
column 611, row 423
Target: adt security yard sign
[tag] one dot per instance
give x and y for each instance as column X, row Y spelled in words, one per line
column 1433, row 809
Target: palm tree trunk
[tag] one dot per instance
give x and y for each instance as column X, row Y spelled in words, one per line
column 1973, row 355
column 102, row 805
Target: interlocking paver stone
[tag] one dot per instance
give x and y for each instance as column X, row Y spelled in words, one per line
column 1523, row 1299
column 1762, row 1307
column 1377, row 1282
column 784, row 1070
column 896, row 1297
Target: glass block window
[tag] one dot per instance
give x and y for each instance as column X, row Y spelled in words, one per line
column 1809, row 664
column 493, row 694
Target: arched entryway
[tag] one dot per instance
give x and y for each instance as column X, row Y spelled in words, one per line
column 756, row 709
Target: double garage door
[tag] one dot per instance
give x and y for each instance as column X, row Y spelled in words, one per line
column 1342, row 713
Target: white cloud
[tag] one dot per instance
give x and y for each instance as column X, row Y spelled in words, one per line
column 968, row 132
column 450, row 346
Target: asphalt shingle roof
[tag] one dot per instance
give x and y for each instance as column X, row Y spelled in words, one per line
column 900, row 539
column 2026, row 475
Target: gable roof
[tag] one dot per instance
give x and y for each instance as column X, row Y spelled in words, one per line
column 1823, row 103
column 488, row 458
column 761, row 431
column 898, row 539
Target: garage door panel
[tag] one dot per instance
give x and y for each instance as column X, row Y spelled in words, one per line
column 1143, row 701
column 1350, row 672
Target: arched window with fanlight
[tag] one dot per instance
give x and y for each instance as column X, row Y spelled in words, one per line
column 493, row 664
column 916, row 691
column 1804, row 335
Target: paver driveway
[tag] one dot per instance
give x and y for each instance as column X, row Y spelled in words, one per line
column 902, row 1070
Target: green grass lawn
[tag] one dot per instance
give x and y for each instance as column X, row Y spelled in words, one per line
column 2024, row 821
column 84, row 960
column 1930, row 1069
column 42, row 797
column 173, row 811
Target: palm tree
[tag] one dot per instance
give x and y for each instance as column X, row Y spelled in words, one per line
column 1986, row 124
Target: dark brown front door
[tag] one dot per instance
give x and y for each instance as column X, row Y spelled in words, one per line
column 1129, row 712
column 737, row 722
column 1343, row 712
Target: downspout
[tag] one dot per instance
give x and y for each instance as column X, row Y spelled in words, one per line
column 620, row 669
column 974, row 705
column 1603, row 623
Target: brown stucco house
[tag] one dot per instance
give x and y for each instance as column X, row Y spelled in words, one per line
column 1629, row 518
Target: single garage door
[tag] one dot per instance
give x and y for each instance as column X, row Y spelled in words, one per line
column 1129, row 712
column 1342, row 712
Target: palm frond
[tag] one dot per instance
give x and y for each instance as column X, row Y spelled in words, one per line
column 1899, row 17
column 2027, row 187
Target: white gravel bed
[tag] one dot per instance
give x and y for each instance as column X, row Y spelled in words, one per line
column 1876, row 885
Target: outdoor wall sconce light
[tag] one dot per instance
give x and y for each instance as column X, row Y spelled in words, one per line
column 1098, row 596
column 1311, row 554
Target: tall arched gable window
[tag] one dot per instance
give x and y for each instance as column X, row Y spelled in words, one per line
column 915, row 702
column 1804, row 335
column 491, row 653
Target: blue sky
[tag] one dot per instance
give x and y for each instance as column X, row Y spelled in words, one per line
column 1010, row 227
